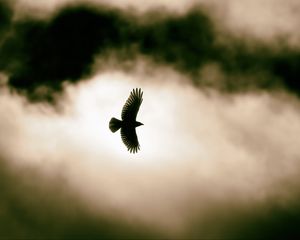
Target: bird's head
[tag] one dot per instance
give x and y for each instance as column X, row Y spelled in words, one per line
column 137, row 124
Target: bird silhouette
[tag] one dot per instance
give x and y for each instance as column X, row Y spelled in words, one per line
column 129, row 123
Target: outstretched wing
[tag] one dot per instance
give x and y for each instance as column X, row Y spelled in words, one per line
column 132, row 105
column 130, row 139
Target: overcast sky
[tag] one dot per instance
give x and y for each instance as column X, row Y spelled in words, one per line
column 220, row 142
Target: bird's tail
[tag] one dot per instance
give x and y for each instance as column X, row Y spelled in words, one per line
column 115, row 124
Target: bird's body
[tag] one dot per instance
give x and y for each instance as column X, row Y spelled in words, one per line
column 129, row 123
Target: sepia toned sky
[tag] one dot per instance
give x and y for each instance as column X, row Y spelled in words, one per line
column 219, row 154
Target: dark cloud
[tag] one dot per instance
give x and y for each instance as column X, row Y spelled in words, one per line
column 45, row 53
column 287, row 66
column 279, row 67
column 236, row 220
column 40, row 54
column 186, row 42
column 5, row 18
column 270, row 222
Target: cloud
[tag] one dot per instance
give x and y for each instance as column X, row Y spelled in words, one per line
column 250, row 19
column 47, row 52
column 36, row 205
column 219, row 149
column 5, row 18
column 40, row 54
column 259, row 20
column 210, row 165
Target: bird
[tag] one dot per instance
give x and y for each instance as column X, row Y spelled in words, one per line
column 128, row 122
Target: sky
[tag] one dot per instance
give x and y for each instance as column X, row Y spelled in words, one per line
column 219, row 155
